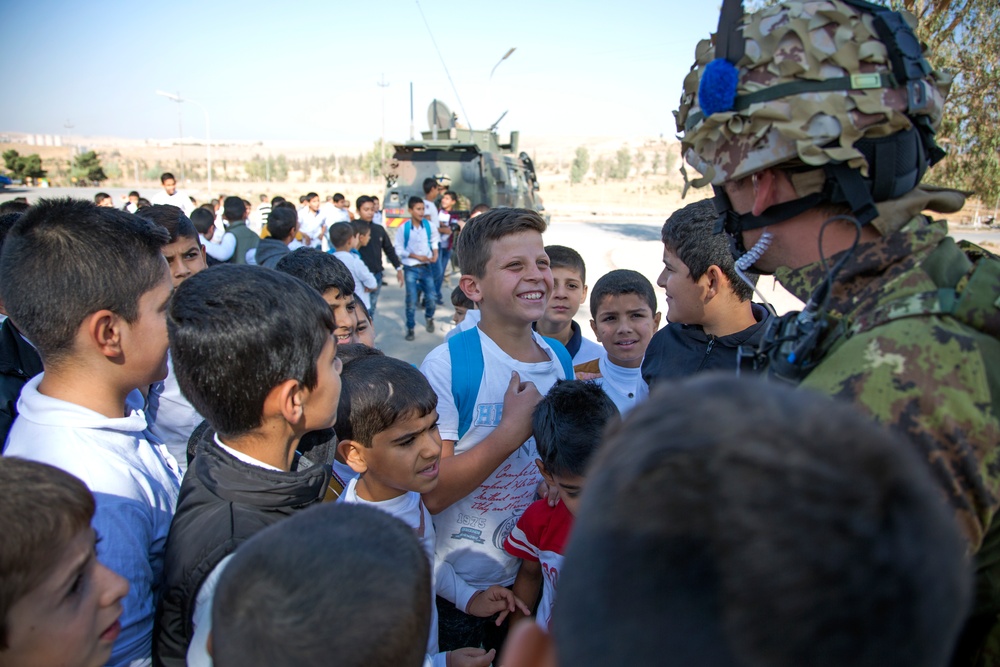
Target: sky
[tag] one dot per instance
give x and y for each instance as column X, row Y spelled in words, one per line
column 304, row 70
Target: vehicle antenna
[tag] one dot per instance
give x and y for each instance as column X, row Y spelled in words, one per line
column 434, row 42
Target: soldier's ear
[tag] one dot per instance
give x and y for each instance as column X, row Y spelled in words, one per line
column 470, row 285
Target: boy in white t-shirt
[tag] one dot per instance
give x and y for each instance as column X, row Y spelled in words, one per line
column 344, row 239
column 568, row 425
column 89, row 288
column 623, row 306
column 387, row 425
column 488, row 475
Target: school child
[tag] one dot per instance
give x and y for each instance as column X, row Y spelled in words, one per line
column 487, row 381
column 344, row 239
column 448, row 201
column 89, row 287
column 712, row 323
column 312, row 221
column 736, row 522
column 337, row 584
column 234, row 213
column 327, row 275
column 281, row 226
column 569, row 292
column 387, row 425
column 416, row 243
column 364, row 332
column 172, row 416
column 623, row 307
column 245, row 473
column 568, row 425
column 204, row 222
column 378, row 244
column 466, row 314
column 59, row 605
column 19, row 361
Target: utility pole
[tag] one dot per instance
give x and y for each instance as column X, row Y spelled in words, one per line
column 383, row 84
column 411, row 111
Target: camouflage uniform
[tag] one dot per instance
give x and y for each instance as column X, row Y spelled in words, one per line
column 928, row 374
column 930, row 377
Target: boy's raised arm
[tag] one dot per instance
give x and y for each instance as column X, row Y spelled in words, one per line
column 459, row 476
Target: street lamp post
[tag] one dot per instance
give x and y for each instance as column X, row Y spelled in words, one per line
column 505, row 56
column 208, row 139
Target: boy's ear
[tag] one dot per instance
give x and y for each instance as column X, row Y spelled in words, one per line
column 470, row 285
column 715, row 282
column 656, row 321
column 353, row 455
column 545, row 473
column 528, row 645
column 583, row 294
column 593, row 327
column 285, row 399
column 103, row 329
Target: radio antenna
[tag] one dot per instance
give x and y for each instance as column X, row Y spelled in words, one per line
column 443, row 64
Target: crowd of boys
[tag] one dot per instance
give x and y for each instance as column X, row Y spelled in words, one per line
column 215, row 465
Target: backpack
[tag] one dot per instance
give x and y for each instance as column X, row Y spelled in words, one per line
column 409, row 225
column 467, row 369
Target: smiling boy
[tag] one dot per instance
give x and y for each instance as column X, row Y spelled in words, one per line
column 713, row 324
column 623, row 306
column 389, row 436
column 485, row 414
column 332, row 279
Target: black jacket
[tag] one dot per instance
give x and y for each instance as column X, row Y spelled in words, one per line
column 19, row 362
column 222, row 503
column 679, row 350
column 379, row 243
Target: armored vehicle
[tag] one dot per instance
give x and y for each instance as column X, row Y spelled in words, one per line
column 473, row 163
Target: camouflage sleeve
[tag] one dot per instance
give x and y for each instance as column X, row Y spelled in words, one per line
column 936, row 382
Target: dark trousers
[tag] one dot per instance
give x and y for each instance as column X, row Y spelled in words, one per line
column 456, row 629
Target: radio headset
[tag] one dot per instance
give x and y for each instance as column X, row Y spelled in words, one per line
column 794, row 343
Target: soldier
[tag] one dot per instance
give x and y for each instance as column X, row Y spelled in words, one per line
column 814, row 123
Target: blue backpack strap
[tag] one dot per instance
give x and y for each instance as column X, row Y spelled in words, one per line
column 467, row 369
column 406, row 233
column 563, row 355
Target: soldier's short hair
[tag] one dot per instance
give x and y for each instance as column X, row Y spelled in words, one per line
column 475, row 244
column 689, row 233
column 760, row 525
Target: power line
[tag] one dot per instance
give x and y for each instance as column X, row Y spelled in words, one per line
column 434, row 42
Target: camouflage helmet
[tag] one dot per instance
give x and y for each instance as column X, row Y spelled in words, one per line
column 814, row 78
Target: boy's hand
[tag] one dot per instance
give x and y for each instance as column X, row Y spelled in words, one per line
column 519, row 403
column 549, row 493
column 470, row 657
column 399, row 277
column 496, row 600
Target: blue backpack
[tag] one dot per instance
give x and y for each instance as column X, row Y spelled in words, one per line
column 409, row 225
column 467, row 370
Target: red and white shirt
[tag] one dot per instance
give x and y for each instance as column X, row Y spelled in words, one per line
column 540, row 535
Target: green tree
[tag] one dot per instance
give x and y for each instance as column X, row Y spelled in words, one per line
column 656, row 162
column 581, row 163
column 602, row 166
column 87, row 167
column 640, row 161
column 622, row 165
column 23, row 167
